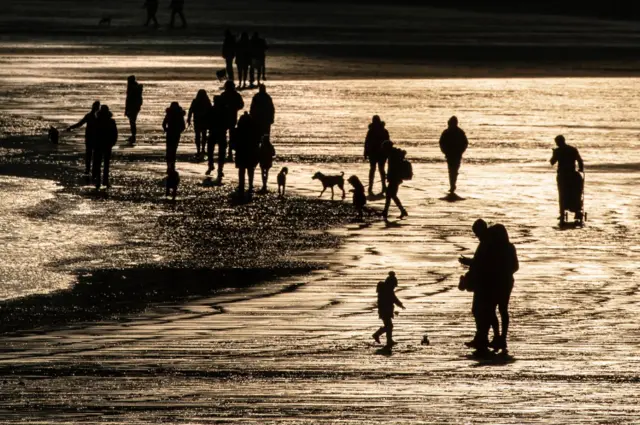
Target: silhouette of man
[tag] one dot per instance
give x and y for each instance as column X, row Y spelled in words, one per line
column 395, row 158
column 173, row 126
column 199, row 110
column 263, row 112
column 152, row 9
column 231, row 102
column 453, row 143
column 217, row 135
column 570, row 183
column 376, row 135
column 229, row 52
column 89, row 135
column 243, row 59
column 247, row 145
column 177, row 8
column 133, row 104
column 258, row 49
column 387, row 299
column 106, row 138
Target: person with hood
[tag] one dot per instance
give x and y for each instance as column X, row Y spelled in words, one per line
column 89, row 135
column 258, row 49
column 177, row 8
column 570, row 183
column 453, row 143
column 229, row 52
column 231, row 103
column 372, row 151
column 395, row 158
column 133, row 105
column 152, row 9
column 263, row 112
column 247, row 145
column 173, row 126
column 217, row 136
column 106, row 138
column 200, row 110
column 243, row 59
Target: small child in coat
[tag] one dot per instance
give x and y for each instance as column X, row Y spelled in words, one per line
column 266, row 154
column 386, row 300
column 359, row 197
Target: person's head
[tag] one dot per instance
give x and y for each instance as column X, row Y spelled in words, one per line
column 131, row 79
column 202, row 94
column 96, row 106
column 453, row 122
column 479, row 228
column 499, row 235
column 376, row 119
column 262, row 88
column 104, row 111
column 229, row 86
column 560, row 141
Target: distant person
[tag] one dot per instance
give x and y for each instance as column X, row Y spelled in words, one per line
column 258, row 49
column 200, row 111
column 152, row 9
column 263, row 112
column 229, row 52
column 173, row 126
column 570, row 182
column 359, row 197
column 247, row 145
column 387, row 299
column 373, row 151
column 89, row 134
column 133, row 105
column 217, row 136
column 395, row 158
column 243, row 59
column 453, row 143
column 177, row 8
column 231, row 102
column 266, row 155
column 106, row 138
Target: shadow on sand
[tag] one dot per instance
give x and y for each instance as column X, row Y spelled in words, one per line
column 452, row 197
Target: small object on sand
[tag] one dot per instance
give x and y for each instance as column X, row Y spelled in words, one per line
column 425, row 340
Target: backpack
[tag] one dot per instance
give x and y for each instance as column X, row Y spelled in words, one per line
column 406, row 170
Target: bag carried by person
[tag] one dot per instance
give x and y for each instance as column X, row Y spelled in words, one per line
column 406, row 170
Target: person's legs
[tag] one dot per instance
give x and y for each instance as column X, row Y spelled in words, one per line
column 388, row 325
column 503, row 306
column 453, row 164
column 222, row 148
column 239, row 74
column 252, row 73
column 265, row 177
column 241, row 180
column 483, row 321
column 230, row 75
column 88, row 157
column 372, row 174
column 107, row 162
column 231, row 134
column 383, row 175
column 403, row 212
column 133, row 118
column 392, row 189
column 97, row 159
column 182, row 18
column 198, row 138
column 251, row 171
column 210, row 149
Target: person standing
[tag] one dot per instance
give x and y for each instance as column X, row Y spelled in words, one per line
column 376, row 135
column 199, row 110
column 217, row 136
column 453, row 143
column 229, row 52
column 395, row 158
column 570, row 183
column 89, row 135
column 247, row 144
column 106, row 138
column 133, row 105
column 263, row 112
column 243, row 59
column 177, row 8
column 231, row 103
column 173, row 126
column 152, row 9
column 257, row 48
column 387, row 299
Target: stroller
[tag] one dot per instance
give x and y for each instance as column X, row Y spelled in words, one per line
column 571, row 192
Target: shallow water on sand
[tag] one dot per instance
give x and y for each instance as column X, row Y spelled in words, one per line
column 300, row 351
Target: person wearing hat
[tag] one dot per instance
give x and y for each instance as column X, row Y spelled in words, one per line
column 453, row 143
column 173, row 126
column 376, row 135
column 106, row 138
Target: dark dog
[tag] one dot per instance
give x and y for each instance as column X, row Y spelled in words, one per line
column 173, row 180
column 221, row 74
column 359, row 197
column 330, row 182
column 282, row 180
column 54, row 134
column 106, row 21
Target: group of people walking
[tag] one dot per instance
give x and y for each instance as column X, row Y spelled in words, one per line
column 177, row 10
column 250, row 58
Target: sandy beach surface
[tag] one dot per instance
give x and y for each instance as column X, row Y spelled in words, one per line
column 129, row 309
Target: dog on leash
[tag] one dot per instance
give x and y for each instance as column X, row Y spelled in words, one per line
column 330, row 182
column 173, row 180
column 105, row 21
column 221, row 74
column 359, row 197
column 282, row 180
column 54, row 135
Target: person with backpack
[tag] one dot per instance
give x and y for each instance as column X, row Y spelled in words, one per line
column 399, row 169
column 132, row 106
column 453, row 143
column 106, row 138
column 89, row 135
column 372, row 151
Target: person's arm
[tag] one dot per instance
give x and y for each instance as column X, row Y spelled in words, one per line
column 465, row 261
column 580, row 163
column 443, row 143
column 114, row 133
column 367, row 145
column 240, row 101
column 465, row 143
column 273, row 111
column 80, row 123
column 516, row 263
column 165, row 123
column 190, row 113
column 397, row 302
column 554, row 157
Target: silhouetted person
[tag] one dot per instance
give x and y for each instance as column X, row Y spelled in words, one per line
column 373, row 151
column 453, row 143
column 258, row 51
column 387, row 299
column 133, row 105
column 395, row 158
column 243, row 59
column 89, row 134
column 229, row 52
column 173, row 126
column 359, row 197
column 263, row 112
column 231, row 102
column 217, row 135
column 247, row 145
column 200, row 110
column 266, row 155
column 177, row 8
column 173, row 180
column 152, row 9
column 570, row 183
column 106, row 138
